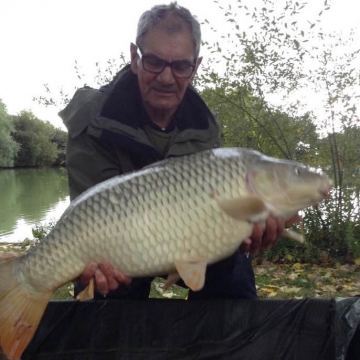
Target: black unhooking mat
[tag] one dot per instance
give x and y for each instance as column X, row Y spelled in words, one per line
column 214, row 329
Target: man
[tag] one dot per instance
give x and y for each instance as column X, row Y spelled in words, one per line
column 150, row 112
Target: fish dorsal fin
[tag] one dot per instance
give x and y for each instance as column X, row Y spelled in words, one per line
column 192, row 273
column 250, row 208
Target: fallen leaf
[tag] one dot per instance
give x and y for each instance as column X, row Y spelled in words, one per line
column 266, row 290
column 329, row 288
column 293, row 276
column 288, row 289
column 347, row 282
column 270, row 288
column 260, row 270
column 297, row 266
column 289, row 257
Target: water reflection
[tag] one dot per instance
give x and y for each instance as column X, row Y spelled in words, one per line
column 29, row 197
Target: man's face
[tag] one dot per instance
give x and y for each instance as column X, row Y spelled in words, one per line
column 163, row 91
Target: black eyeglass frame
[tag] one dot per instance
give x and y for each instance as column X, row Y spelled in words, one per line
column 165, row 64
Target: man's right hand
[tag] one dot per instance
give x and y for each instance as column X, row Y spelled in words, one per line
column 105, row 276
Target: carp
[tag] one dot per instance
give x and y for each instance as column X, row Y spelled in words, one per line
column 174, row 217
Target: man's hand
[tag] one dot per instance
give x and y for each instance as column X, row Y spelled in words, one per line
column 105, row 276
column 262, row 238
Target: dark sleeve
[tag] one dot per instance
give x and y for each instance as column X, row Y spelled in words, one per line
column 88, row 162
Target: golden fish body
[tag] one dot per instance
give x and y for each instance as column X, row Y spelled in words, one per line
column 174, row 217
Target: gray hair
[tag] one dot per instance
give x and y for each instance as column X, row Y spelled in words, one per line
column 174, row 18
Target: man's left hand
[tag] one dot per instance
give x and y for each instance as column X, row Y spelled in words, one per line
column 264, row 237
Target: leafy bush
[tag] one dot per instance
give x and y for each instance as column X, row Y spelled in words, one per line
column 40, row 231
column 288, row 251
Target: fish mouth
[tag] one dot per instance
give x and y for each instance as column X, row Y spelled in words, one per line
column 325, row 194
column 325, row 190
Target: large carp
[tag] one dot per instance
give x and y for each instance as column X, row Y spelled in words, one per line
column 174, row 217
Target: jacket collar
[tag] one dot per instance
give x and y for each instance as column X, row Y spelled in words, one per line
column 124, row 104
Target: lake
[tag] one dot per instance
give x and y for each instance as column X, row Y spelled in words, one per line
column 30, row 197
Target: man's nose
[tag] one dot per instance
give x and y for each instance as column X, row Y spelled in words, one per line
column 166, row 76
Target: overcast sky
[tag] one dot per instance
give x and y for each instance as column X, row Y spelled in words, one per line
column 41, row 39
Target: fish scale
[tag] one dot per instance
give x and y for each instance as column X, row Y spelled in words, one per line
column 174, row 217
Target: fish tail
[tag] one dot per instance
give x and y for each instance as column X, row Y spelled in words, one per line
column 21, row 309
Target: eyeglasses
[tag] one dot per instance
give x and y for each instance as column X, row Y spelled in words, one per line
column 180, row 69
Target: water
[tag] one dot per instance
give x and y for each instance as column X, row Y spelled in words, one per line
column 29, row 197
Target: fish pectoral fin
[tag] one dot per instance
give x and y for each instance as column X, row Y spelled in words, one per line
column 171, row 280
column 192, row 273
column 87, row 293
column 251, row 208
column 294, row 235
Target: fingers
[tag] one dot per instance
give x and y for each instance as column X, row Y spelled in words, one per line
column 280, row 227
column 274, row 229
column 264, row 237
column 245, row 246
column 256, row 238
column 101, row 283
column 121, row 278
column 106, row 277
column 88, row 272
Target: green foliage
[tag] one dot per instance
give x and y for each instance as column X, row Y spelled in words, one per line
column 40, row 231
column 247, row 123
column 269, row 60
column 334, row 231
column 287, row 251
column 8, row 146
column 59, row 139
column 41, row 144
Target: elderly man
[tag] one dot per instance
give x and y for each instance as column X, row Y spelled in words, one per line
column 150, row 112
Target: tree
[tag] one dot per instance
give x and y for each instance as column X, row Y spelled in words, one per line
column 59, row 139
column 8, row 146
column 282, row 56
column 38, row 147
column 246, row 123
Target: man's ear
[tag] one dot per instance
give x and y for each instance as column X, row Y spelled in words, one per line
column 198, row 62
column 134, row 58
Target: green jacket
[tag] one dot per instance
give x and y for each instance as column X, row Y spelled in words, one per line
column 106, row 137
